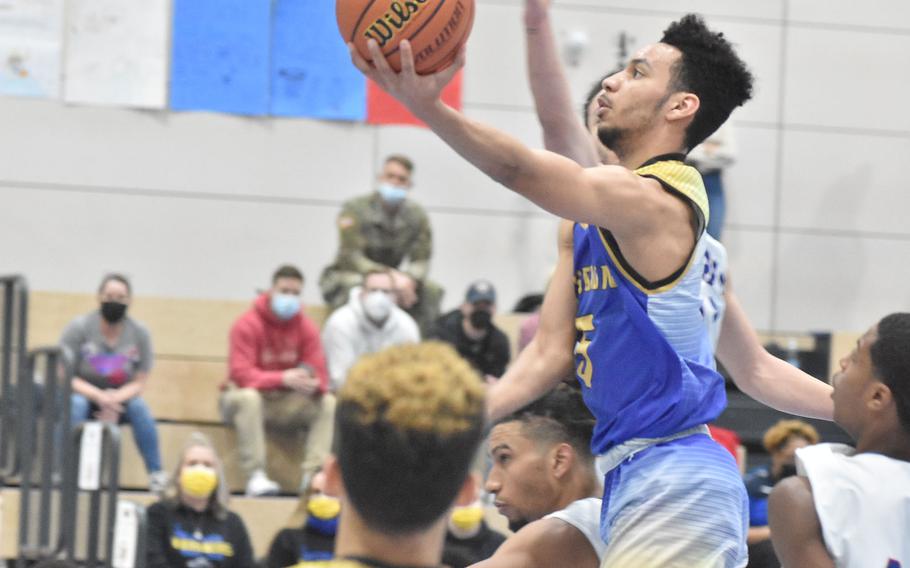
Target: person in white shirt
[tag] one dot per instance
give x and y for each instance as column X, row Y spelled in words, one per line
column 850, row 508
column 369, row 322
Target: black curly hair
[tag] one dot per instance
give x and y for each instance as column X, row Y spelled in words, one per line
column 709, row 68
column 891, row 361
column 558, row 417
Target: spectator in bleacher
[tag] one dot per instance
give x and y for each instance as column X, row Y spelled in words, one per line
column 368, row 323
column 110, row 356
column 410, row 419
column 469, row 539
column 386, row 230
column 470, row 329
column 311, row 531
column 781, row 441
column 277, row 380
column 192, row 527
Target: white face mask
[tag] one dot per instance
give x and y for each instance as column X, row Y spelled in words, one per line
column 377, row 305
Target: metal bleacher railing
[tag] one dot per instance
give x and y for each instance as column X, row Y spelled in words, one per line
column 58, row 470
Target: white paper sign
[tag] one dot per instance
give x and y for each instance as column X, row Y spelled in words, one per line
column 90, row 457
column 31, row 36
column 125, row 534
column 117, row 52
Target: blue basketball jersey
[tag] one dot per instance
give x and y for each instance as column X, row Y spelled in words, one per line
column 643, row 355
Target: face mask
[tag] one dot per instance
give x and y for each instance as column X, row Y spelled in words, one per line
column 112, row 312
column 391, row 194
column 198, row 481
column 285, row 306
column 377, row 305
column 324, row 511
column 481, row 319
column 467, row 518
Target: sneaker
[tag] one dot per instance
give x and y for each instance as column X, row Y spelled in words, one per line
column 158, row 481
column 260, row 485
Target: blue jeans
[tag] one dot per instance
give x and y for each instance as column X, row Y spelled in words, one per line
column 717, row 203
column 137, row 413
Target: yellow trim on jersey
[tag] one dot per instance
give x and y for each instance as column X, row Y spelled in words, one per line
column 668, row 286
column 683, row 178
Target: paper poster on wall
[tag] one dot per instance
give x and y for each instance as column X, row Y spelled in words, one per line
column 30, row 47
column 116, row 52
column 312, row 73
column 220, row 58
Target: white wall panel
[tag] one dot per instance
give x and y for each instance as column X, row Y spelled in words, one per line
column 847, row 79
column 893, row 14
column 751, row 270
column 840, row 283
column 844, row 182
column 749, row 184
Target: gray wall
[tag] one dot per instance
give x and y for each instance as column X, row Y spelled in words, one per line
column 206, row 205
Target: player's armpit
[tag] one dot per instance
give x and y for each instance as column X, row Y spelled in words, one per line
column 545, row 543
column 795, row 528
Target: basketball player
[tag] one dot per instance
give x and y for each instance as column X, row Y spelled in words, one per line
column 628, row 276
column 850, row 508
column 408, row 422
column 755, row 371
column 545, row 483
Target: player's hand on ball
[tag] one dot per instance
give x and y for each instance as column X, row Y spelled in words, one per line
column 414, row 91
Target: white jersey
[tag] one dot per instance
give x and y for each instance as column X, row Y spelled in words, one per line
column 584, row 515
column 713, row 286
column 863, row 505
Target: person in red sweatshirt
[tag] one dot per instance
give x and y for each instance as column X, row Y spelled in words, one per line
column 277, row 380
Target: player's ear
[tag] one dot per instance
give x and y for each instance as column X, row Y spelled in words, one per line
column 563, row 459
column 333, row 483
column 468, row 492
column 879, row 397
column 684, row 105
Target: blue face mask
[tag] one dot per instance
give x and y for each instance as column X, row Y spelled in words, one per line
column 391, row 194
column 285, row 306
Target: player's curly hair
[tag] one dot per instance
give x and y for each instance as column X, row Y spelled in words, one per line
column 408, row 422
column 558, row 417
column 709, row 68
column 777, row 436
column 891, row 361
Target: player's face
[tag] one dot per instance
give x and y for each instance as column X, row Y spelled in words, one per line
column 633, row 99
column 519, row 477
column 852, row 382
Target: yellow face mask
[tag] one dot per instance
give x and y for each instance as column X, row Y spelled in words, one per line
column 467, row 518
column 323, row 507
column 198, row 481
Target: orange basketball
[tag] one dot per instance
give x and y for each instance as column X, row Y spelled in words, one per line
column 435, row 28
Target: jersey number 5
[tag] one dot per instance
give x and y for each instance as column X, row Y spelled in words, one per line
column 585, row 369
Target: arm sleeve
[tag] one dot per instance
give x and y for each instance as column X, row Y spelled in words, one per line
column 146, row 356
column 157, row 538
column 351, row 243
column 240, row 539
column 311, row 352
column 243, row 361
column 340, row 352
column 283, row 552
column 419, row 257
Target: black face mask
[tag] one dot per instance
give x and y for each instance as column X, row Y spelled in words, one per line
column 113, row 312
column 481, row 319
column 786, row 470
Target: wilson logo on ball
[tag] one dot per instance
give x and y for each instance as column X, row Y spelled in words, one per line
column 387, row 26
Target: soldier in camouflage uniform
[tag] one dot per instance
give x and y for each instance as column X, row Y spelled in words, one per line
column 383, row 230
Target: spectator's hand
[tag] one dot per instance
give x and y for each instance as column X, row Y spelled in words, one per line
column 405, row 289
column 106, row 401
column 107, row 415
column 300, row 380
column 536, row 13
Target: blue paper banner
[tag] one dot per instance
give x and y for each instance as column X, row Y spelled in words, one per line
column 221, row 55
column 312, row 73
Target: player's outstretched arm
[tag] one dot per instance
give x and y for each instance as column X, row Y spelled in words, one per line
column 543, row 544
column 763, row 376
column 548, row 359
column 563, row 130
column 607, row 196
column 795, row 528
